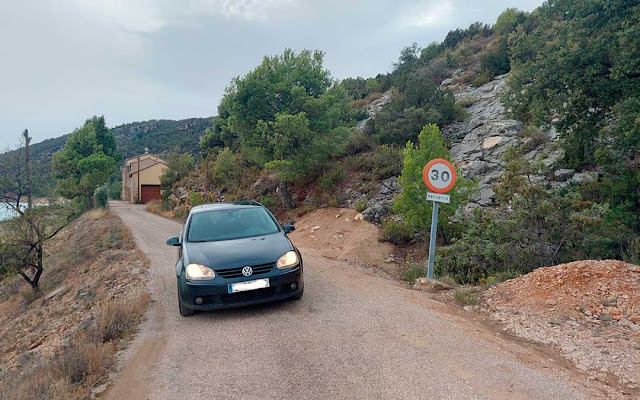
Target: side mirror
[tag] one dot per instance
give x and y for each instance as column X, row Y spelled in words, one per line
column 173, row 241
column 289, row 228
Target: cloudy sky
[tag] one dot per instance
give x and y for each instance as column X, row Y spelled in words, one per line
column 133, row 60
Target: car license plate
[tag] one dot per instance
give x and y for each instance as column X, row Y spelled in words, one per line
column 249, row 285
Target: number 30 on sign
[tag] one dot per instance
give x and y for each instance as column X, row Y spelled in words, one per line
column 439, row 175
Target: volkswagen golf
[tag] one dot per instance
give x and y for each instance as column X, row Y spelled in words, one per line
column 235, row 254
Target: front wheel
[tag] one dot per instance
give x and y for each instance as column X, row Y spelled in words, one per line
column 184, row 311
column 299, row 295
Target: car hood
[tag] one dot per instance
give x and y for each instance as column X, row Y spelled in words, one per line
column 238, row 252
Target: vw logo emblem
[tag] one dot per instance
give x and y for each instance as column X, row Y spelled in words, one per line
column 247, row 271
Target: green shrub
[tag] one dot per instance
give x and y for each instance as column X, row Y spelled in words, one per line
column 181, row 211
column 361, row 204
column 448, row 279
column 330, row 179
column 115, row 190
column 396, row 232
column 403, row 118
column 359, row 114
column 360, row 162
column 543, row 228
column 464, row 297
column 632, row 254
column 461, row 112
column 483, row 77
column 509, row 20
column 196, row 199
column 534, row 137
column 387, row 162
column 180, row 165
column 333, row 201
column 227, row 170
column 413, row 272
column 269, row 201
column 496, row 60
column 505, row 275
column 101, row 196
column 359, row 143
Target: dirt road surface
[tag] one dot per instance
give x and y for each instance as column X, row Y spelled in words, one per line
column 354, row 334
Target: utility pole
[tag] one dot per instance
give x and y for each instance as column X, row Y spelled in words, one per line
column 27, row 139
column 139, row 187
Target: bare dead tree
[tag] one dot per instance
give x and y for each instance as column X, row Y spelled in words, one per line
column 27, row 168
column 23, row 237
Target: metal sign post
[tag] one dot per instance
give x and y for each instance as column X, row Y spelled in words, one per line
column 439, row 176
column 432, row 239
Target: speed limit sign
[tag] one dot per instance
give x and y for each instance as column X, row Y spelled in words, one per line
column 439, row 175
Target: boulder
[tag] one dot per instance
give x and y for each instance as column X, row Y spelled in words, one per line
column 446, row 82
column 475, row 168
column 491, row 142
column 86, row 321
column 564, row 174
column 462, row 150
column 585, row 177
column 485, row 195
column 380, row 205
column 377, row 211
column 55, row 293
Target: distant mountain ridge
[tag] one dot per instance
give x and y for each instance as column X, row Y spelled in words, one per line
column 159, row 136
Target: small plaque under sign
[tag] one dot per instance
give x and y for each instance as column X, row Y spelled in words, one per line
column 440, row 198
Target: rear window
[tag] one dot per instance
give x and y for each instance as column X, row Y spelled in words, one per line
column 230, row 224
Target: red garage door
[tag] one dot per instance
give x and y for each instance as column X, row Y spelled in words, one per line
column 150, row 192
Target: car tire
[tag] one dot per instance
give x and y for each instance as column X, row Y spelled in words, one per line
column 184, row 311
column 298, row 296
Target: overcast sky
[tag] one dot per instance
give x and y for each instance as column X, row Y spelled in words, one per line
column 134, row 60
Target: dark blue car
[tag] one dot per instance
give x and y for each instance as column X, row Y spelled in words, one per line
column 235, row 254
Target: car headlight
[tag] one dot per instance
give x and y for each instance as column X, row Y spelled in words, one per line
column 199, row 272
column 288, row 260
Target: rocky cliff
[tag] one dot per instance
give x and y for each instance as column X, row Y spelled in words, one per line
column 479, row 143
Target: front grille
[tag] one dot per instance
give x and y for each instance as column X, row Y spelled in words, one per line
column 237, row 272
column 251, row 295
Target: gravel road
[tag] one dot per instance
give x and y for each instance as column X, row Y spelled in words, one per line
column 355, row 334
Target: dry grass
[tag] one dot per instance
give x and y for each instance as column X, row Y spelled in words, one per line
column 86, row 362
column 95, row 214
column 464, row 297
column 39, row 383
column 155, row 207
column 46, row 353
column 118, row 318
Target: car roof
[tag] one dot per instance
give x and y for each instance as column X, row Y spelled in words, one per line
column 227, row 205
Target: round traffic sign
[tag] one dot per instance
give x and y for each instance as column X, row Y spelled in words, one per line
column 439, row 175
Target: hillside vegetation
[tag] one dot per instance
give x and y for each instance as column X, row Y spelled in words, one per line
column 280, row 138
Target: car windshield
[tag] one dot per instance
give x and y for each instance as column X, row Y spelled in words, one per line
column 230, row 224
